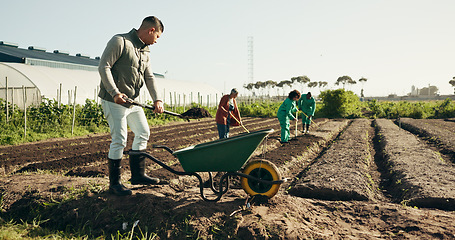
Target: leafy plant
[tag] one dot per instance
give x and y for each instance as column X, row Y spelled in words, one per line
column 340, row 104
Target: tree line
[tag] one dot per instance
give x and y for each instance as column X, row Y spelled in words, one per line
column 285, row 85
column 303, row 81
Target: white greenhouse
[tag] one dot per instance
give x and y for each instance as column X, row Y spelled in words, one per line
column 27, row 76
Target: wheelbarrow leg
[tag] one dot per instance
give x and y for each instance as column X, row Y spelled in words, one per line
column 212, row 184
column 220, row 191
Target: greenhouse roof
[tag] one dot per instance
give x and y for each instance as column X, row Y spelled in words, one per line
column 11, row 53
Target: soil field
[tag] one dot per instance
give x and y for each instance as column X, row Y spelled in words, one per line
column 440, row 133
column 349, row 179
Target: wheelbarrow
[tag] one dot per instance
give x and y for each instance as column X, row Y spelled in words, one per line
column 228, row 155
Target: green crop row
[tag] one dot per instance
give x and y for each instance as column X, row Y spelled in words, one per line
column 345, row 104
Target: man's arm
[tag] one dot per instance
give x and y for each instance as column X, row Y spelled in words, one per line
column 111, row 53
column 151, row 84
column 313, row 106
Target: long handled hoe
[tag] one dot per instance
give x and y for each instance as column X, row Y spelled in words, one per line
column 241, row 124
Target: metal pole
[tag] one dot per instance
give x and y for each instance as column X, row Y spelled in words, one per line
column 96, row 97
column 175, row 101
column 74, row 110
column 25, row 111
column 60, row 96
column 12, row 100
column 170, row 99
column 7, row 105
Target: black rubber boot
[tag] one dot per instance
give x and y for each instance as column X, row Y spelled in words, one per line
column 304, row 128
column 115, row 186
column 138, row 176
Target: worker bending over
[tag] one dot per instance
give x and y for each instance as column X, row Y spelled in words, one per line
column 307, row 105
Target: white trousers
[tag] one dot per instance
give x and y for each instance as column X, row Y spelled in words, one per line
column 119, row 118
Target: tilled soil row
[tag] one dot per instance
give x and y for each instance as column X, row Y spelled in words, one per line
column 67, row 149
column 64, row 154
column 209, row 126
column 418, row 175
column 270, row 149
column 175, row 139
column 437, row 131
column 12, row 156
column 342, row 172
column 273, row 150
column 55, row 149
column 298, row 154
column 187, row 136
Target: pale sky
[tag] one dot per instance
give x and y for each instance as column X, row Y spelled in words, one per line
column 393, row 43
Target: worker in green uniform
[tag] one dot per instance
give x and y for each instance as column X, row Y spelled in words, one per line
column 307, row 105
column 285, row 113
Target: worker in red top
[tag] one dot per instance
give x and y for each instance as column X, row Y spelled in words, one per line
column 227, row 114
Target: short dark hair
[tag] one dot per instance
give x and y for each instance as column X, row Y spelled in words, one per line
column 293, row 94
column 153, row 21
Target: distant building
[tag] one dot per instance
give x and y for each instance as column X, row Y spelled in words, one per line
column 414, row 91
column 425, row 91
column 33, row 74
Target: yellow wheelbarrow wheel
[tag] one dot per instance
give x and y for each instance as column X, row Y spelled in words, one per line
column 264, row 170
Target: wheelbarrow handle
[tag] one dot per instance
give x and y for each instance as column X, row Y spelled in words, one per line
column 162, row 146
column 131, row 101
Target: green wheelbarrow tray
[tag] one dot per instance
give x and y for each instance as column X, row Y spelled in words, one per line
column 223, row 155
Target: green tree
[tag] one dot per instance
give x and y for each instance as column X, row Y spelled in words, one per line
column 249, row 87
column 302, row 80
column 322, row 84
column 344, row 80
column 283, row 85
column 340, row 103
column 313, row 84
column 452, row 82
column 259, row 86
column 270, row 84
column 362, row 80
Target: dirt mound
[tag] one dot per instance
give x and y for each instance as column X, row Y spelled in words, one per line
column 197, row 113
column 440, row 133
column 418, row 173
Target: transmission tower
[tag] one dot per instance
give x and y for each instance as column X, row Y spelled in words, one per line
column 250, row 59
